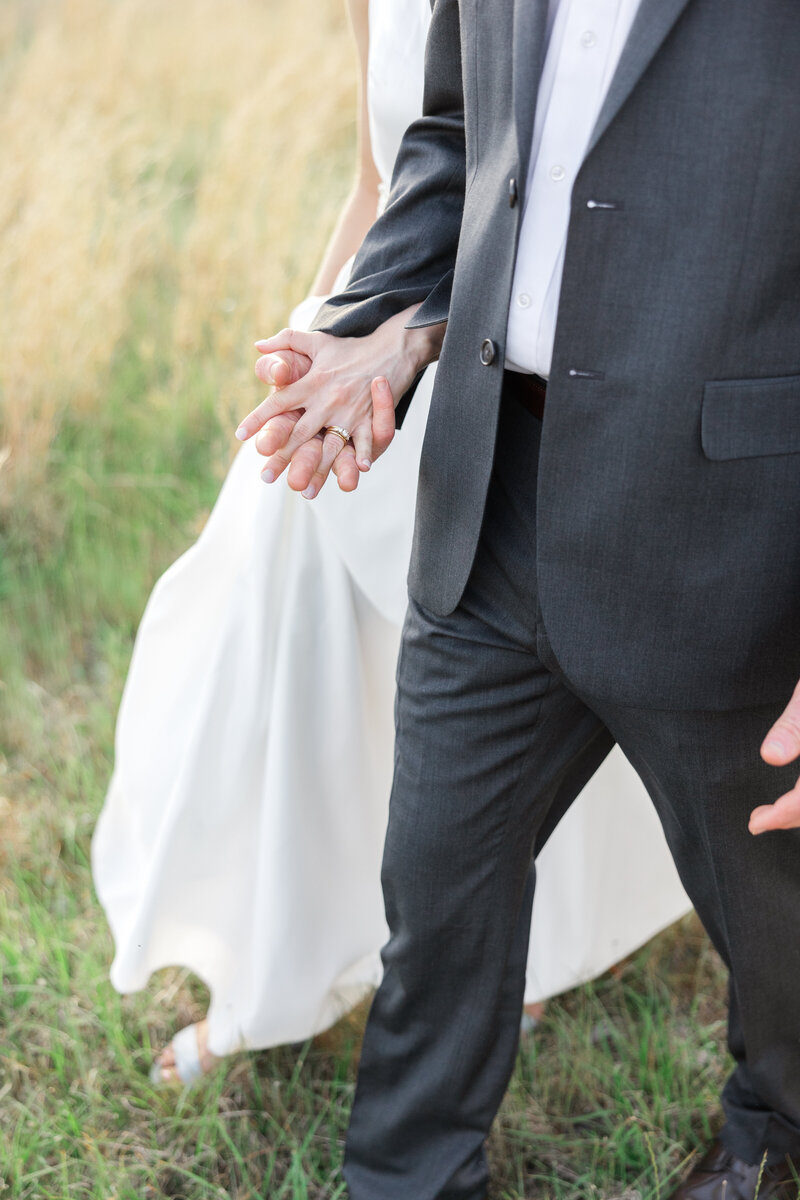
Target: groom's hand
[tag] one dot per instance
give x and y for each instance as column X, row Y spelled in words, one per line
column 781, row 746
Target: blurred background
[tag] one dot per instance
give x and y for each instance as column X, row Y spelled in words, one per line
column 169, row 173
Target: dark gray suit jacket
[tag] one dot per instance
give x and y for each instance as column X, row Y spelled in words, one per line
column 668, row 521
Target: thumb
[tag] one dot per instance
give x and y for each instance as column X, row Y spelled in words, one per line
column 281, row 369
column 383, row 425
column 783, row 814
column 782, row 743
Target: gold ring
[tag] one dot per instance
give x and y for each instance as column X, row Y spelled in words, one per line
column 340, row 431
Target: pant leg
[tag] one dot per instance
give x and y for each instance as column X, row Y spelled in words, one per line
column 487, row 742
column 705, row 775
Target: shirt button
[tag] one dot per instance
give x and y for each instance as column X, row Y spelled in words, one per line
column 524, row 300
column 588, row 39
column 557, row 173
column 488, row 352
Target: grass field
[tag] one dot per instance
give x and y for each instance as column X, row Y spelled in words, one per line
column 169, row 174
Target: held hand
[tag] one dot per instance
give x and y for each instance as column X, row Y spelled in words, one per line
column 311, row 463
column 338, row 390
column 350, row 383
column 781, row 746
column 281, row 368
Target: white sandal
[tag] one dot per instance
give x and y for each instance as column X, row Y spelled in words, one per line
column 188, row 1066
column 528, row 1024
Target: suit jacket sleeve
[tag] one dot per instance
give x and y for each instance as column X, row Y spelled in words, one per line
column 409, row 254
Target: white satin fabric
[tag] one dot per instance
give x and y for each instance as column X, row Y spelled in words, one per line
column 242, row 832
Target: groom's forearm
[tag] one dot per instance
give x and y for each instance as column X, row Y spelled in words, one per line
column 409, row 254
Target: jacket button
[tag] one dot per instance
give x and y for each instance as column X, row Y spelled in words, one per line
column 512, row 192
column 488, row 352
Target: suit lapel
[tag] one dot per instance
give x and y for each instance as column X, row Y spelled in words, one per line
column 653, row 22
column 530, row 27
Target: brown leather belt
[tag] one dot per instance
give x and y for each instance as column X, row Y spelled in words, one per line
column 529, row 390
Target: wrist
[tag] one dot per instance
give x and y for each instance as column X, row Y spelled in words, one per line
column 423, row 345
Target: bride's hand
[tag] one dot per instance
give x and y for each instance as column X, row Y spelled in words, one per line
column 350, row 382
column 277, row 370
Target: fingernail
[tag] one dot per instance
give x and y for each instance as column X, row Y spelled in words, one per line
column 261, row 345
column 310, row 492
column 268, row 476
column 775, row 744
column 365, row 463
column 241, row 433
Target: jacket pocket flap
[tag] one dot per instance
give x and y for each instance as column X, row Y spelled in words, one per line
column 747, row 418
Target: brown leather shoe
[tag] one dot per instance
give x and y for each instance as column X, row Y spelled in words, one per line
column 720, row 1175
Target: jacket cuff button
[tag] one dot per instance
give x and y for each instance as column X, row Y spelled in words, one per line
column 488, row 352
column 512, row 193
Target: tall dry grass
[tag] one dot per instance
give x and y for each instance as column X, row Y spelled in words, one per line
column 161, row 152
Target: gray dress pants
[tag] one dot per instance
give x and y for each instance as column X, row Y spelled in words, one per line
column 493, row 744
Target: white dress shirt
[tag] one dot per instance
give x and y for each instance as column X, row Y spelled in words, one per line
column 585, row 41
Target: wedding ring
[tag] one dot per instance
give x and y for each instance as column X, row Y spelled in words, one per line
column 340, row 431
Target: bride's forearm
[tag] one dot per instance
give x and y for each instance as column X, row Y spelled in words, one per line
column 354, row 221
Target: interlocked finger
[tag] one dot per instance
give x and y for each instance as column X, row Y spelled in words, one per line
column 277, row 432
column 305, row 462
column 282, row 369
column 273, row 406
column 362, row 441
column 346, row 470
column 303, row 432
column 332, row 447
column 383, row 423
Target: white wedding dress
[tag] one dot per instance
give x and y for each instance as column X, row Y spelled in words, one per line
column 242, row 832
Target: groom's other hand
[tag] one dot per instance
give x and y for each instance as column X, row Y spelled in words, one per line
column 781, row 746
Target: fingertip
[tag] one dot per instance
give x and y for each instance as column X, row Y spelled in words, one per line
column 279, row 367
column 347, row 482
column 241, row 434
column 774, row 752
